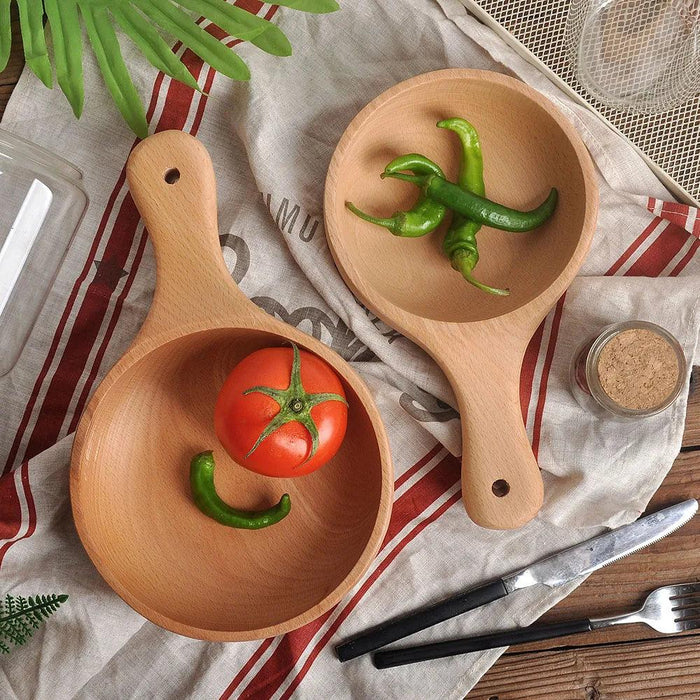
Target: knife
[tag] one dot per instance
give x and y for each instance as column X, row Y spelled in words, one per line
column 552, row 571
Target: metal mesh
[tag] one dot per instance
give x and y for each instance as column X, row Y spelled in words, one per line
column 639, row 55
column 671, row 139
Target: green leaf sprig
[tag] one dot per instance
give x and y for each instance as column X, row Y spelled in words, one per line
column 140, row 20
column 20, row 616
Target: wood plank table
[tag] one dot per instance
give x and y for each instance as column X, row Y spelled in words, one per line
column 624, row 663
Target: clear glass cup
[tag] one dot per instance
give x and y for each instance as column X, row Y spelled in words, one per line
column 585, row 380
column 636, row 55
column 41, row 205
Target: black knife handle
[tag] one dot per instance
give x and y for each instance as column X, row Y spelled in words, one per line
column 439, row 650
column 398, row 629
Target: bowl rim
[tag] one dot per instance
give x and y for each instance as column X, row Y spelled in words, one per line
column 84, row 439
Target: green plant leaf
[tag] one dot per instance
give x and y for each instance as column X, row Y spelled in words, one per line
column 67, row 50
column 207, row 47
column 5, row 34
column 20, row 616
column 31, row 22
column 315, row 6
column 152, row 44
column 242, row 24
column 105, row 46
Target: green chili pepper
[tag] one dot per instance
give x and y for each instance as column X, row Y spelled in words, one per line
column 425, row 215
column 208, row 501
column 480, row 209
column 460, row 240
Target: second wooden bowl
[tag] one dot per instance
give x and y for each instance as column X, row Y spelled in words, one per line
column 477, row 339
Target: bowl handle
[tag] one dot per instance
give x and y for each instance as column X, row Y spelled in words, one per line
column 172, row 182
column 501, row 483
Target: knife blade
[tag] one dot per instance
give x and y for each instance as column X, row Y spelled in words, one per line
column 552, row 571
column 593, row 554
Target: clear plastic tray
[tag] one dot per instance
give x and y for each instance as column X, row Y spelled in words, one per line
column 41, row 205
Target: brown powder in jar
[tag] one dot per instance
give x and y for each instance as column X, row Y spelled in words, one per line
column 638, row 369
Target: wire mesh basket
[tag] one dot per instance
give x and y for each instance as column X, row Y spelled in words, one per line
column 637, row 55
column 537, row 29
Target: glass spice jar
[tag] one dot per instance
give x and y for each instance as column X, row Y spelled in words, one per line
column 42, row 202
column 629, row 370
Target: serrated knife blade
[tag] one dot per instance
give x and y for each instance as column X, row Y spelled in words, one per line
column 593, row 554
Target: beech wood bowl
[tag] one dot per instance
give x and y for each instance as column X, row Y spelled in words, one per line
column 130, row 464
column 477, row 339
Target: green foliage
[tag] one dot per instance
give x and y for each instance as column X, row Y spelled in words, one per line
column 140, row 20
column 20, row 616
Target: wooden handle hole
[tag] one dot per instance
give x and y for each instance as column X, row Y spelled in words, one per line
column 171, row 176
column 500, row 488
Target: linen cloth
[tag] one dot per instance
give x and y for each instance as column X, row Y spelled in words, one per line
column 271, row 142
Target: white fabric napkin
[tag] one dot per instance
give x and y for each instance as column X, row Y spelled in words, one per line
column 271, row 142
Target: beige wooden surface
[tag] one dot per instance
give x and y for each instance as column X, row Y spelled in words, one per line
column 625, row 663
column 163, row 391
column 457, row 324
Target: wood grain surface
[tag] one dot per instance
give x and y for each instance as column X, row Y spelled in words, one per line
column 624, row 663
column 455, row 323
column 162, row 392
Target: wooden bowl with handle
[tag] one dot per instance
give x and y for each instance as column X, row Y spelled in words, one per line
column 477, row 339
column 129, row 474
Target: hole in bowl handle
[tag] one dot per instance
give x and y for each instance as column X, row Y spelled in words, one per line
column 501, row 481
column 172, row 182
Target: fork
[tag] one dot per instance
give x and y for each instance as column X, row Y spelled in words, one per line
column 668, row 610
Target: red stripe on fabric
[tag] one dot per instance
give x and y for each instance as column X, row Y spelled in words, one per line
column 417, row 466
column 527, row 370
column 539, row 411
column 30, row 507
column 408, row 506
column 685, row 259
column 87, row 386
column 651, row 205
column 246, row 669
column 251, row 5
column 356, row 598
column 179, row 97
column 83, row 336
column 634, row 246
column 675, row 212
column 660, row 253
column 10, row 509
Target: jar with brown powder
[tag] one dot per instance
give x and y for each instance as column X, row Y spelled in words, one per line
column 630, row 370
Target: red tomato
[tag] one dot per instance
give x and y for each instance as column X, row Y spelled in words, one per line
column 240, row 419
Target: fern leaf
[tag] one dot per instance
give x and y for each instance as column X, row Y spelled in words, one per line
column 152, row 44
column 242, row 24
column 5, row 34
column 31, row 22
column 20, row 616
column 67, row 49
column 209, row 48
column 105, row 46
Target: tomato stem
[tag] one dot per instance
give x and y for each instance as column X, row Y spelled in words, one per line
column 295, row 405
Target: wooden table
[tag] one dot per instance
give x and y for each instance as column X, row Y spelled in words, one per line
column 625, row 663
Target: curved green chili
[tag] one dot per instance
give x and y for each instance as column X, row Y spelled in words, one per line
column 480, row 209
column 209, row 502
column 460, row 240
column 424, row 216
